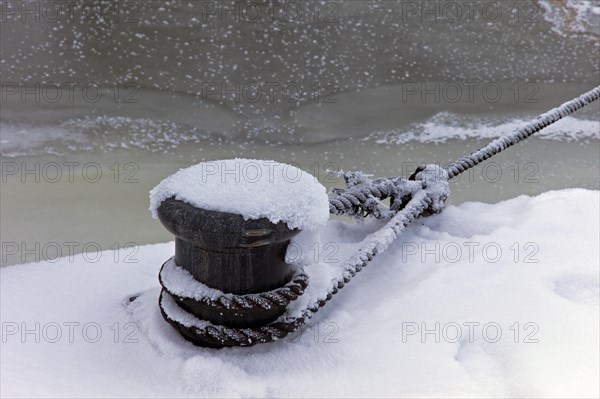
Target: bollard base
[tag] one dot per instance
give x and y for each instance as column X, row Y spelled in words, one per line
column 231, row 240
column 205, row 303
column 199, row 333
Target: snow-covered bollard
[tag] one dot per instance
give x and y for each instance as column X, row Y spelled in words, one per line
column 232, row 221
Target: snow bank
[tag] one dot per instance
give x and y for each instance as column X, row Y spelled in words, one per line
column 252, row 188
column 481, row 300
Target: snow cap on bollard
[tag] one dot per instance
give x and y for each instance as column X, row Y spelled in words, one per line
column 233, row 220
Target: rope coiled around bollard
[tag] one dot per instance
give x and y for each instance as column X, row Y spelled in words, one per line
column 434, row 190
column 410, row 199
column 171, row 275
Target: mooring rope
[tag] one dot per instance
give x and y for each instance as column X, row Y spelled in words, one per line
column 365, row 199
column 228, row 336
column 424, row 192
column 467, row 162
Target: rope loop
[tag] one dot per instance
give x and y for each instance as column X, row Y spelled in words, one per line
column 436, row 183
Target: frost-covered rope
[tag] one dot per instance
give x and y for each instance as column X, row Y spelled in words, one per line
column 434, row 191
column 182, row 286
column 363, row 197
column 424, row 192
column 542, row 121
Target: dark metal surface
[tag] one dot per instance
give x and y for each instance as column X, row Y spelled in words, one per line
column 226, row 252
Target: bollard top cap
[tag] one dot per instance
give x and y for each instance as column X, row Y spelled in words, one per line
column 251, row 188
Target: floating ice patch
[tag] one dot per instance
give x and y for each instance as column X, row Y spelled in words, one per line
column 252, row 188
column 448, row 126
column 572, row 17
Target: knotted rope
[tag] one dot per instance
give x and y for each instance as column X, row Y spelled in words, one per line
column 423, row 193
column 365, row 199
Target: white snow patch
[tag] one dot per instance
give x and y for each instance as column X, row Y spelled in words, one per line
column 249, row 187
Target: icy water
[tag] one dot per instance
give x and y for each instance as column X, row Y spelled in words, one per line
column 96, row 111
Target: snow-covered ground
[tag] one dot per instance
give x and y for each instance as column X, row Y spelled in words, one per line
column 481, row 300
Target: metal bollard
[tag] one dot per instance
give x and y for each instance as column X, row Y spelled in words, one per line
column 230, row 254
